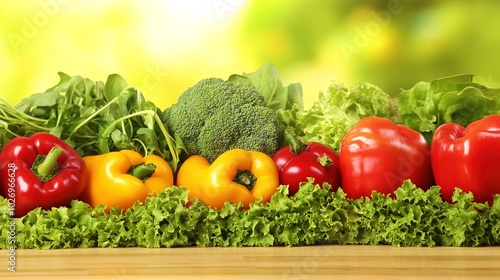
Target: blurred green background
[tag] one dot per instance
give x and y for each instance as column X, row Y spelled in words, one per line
column 163, row 47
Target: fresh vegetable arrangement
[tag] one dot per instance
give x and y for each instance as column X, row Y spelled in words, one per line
column 240, row 162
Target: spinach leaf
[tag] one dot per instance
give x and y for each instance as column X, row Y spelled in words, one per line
column 93, row 117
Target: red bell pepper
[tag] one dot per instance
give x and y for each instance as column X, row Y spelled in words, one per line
column 468, row 158
column 379, row 155
column 298, row 161
column 40, row 171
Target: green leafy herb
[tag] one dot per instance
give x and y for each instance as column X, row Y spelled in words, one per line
column 93, row 117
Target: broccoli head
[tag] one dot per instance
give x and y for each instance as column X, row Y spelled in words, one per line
column 215, row 115
column 248, row 127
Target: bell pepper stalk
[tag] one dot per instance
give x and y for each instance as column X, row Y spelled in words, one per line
column 43, row 170
column 236, row 176
column 121, row 178
column 468, row 158
column 378, row 155
column 299, row 161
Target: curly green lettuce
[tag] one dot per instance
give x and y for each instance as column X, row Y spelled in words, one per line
column 313, row 216
column 336, row 111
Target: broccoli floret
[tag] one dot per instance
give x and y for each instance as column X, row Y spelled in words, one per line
column 248, row 127
column 215, row 115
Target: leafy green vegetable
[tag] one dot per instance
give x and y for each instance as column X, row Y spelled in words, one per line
column 313, row 216
column 97, row 117
column 336, row 111
column 457, row 99
column 268, row 82
column 93, row 117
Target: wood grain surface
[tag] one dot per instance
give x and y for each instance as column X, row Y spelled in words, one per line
column 309, row 262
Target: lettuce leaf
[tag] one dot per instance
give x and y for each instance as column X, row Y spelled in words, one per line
column 427, row 105
column 313, row 216
column 336, row 111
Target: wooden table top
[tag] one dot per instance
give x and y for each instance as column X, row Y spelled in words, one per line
column 309, row 262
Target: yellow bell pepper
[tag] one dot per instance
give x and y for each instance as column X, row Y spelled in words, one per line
column 124, row 177
column 235, row 176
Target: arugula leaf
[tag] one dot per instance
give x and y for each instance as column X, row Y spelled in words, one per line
column 115, row 85
column 94, row 118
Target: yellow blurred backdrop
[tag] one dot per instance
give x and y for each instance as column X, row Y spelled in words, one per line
column 163, row 47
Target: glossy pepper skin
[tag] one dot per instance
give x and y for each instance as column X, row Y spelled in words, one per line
column 468, row 158
column 227, row 180
column 43, row 170
column 379, row 155
column 296, row 163
column 124, row 177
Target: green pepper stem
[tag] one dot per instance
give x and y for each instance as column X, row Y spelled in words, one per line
column 296, row 146
column 143, row 171
column 245, row 178
column 47, row 165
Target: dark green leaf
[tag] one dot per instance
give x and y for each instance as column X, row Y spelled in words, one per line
column 268, row 82
column 115, row 85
